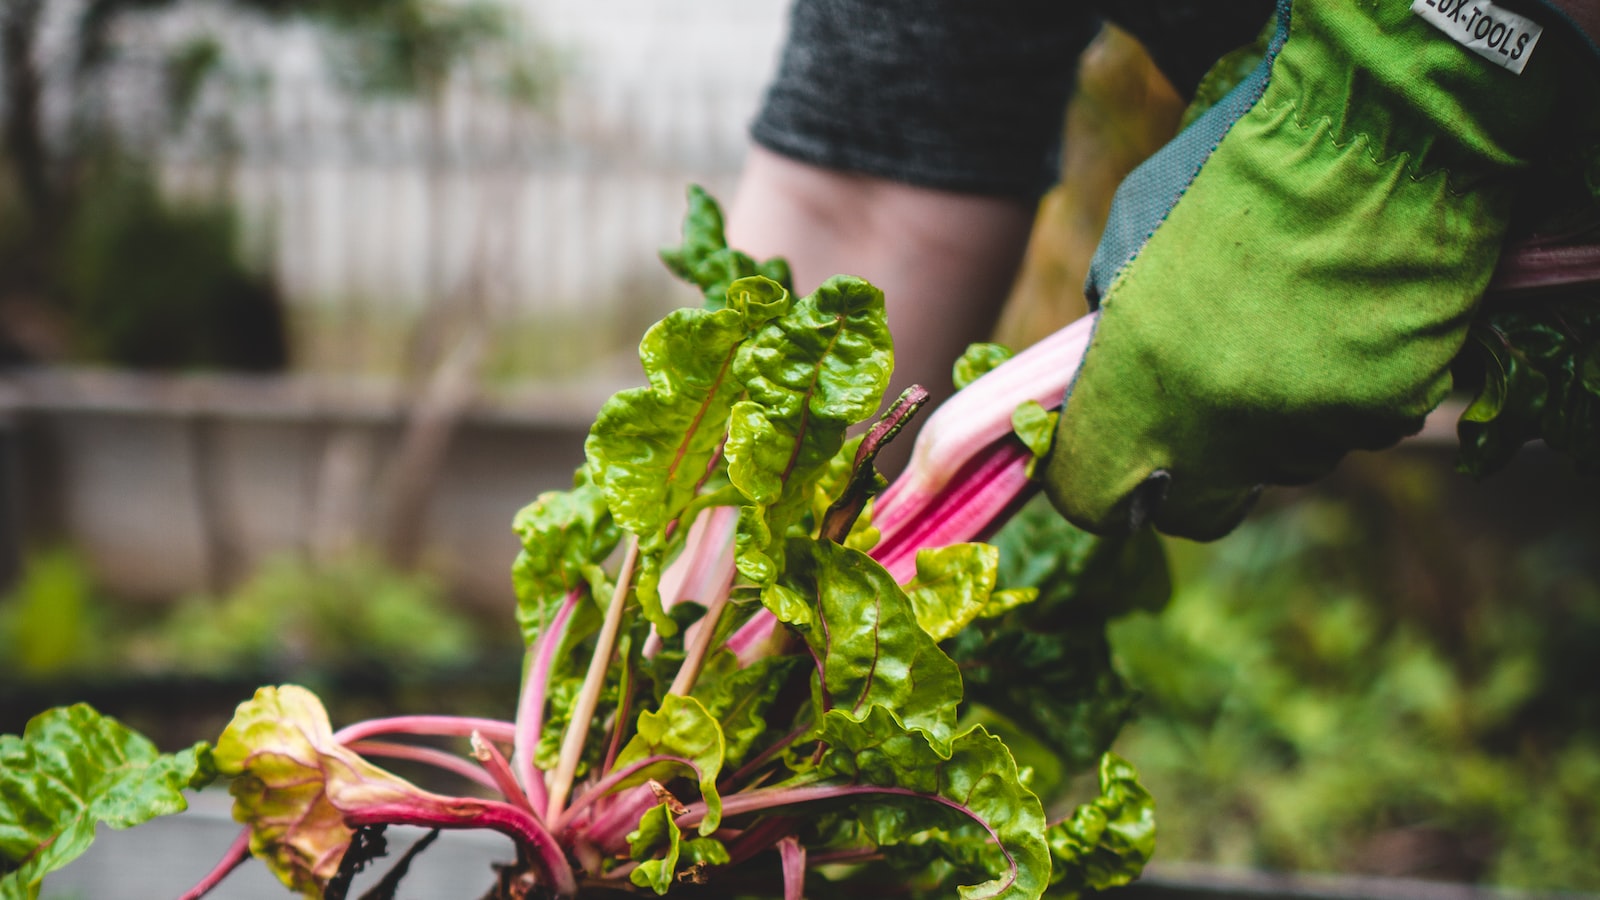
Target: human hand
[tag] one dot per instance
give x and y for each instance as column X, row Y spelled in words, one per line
column 1307, row 293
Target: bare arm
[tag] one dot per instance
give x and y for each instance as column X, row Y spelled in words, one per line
column 945, row 261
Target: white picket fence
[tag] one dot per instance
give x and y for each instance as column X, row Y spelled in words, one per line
column 370, row 213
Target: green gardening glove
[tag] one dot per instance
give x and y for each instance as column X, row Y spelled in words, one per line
column 1300, row 290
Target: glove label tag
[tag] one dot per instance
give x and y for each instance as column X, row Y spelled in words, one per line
column 1498, row 35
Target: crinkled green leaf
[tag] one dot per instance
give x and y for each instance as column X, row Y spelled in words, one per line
column 739, row 698
column 953, row 586
column 71, row 769
column 872, row 650
column 562, row 693
column 1108, row 840
column 1002, row 602
column 655, row 828
column 809, row 375
column 1059, row 686
column 705, row 852
column 681, row 727
column 1079, row 576
column 565, row 536
column 650, row 447
column 293, row 784
column 1036, row 426
column 1507, row 411
column 1046, row 665
column 976, row 777
column 1539, row 366
column 976, row 361
column 704, row 258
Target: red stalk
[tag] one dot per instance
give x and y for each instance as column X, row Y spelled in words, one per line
column 535, row 843
column 446, row 726
column 530, row 710
column 437, row 758
column 237, row 853
column 494, row 762
column 794, row 868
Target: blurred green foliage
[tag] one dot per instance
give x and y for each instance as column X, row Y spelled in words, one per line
column 50, row 624
column 1364, row 680
column 153, row 283
column 289, row 618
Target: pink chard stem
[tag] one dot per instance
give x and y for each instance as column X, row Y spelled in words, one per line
column 530, row 709
column 536, row 844
column 439, row 726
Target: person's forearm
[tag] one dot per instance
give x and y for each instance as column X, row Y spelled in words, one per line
column 945, row 261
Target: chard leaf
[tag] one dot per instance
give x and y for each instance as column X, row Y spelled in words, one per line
column 565, row 536
column 985, row 822
column 808, row 376
column 680, row 728
column 1108, row 840
column 1002, row 602
column 1080, row 577
column 293, row 784
column 651, row 447
column 1046, row 665
column 704, row 258
column 953, row 586
column 1539, row 366
column 563, row 693
column 655, row 827
column 702, row 853
column 71, row 769
column 977, row 360
column 871, row 649
column 1036, row 426
column 1508, row 409
column 739, row 698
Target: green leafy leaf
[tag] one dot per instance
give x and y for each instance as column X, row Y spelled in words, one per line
column 565, row 536
column 1036, row 426
column 872, row 651
column 650, row 448
column 655, row 827
column 704, row 258
column 977, row 360
column 1505, row 414
column 293, row 784
column 1108, row 840
column 953, row 586
column 1538, row 365
column 988, row 825
column 1046, row 665
column 563, row 693
column 682, row 728
column 808, row 375
column 1079, row 576
column 739, row 698
column 71, row 769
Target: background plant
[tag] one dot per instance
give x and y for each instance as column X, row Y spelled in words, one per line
column 1382, row 677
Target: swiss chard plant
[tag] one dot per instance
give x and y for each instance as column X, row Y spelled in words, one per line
column 753, row 668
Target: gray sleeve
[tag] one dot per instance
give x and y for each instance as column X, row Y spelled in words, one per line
column 963, row 96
